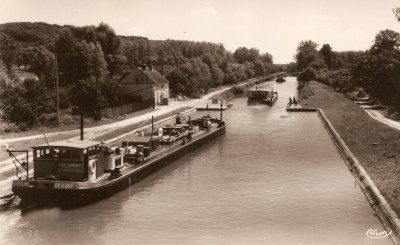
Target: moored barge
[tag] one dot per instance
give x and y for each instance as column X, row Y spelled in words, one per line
column 70, row 174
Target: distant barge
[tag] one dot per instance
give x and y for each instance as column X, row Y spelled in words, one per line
column 76, row 173
column 263, row 95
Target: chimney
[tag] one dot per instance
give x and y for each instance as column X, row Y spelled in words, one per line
column 143, row 67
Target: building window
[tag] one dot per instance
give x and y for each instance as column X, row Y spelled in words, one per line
column 162, row 86
column 136, row 80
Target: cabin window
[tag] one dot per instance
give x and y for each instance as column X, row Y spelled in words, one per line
column 43, row 153
column 93, row 151
column 65, row 154
column 56, row 154
column 75, row 154
column 136, row 80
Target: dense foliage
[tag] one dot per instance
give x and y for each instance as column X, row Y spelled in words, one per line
column 376, row 71
column 88, row 62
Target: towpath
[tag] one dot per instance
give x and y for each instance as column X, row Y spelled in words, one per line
column 99, row 130
column 377, row 115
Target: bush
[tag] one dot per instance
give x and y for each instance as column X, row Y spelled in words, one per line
column 307, row 74
column 236, row 90
column 49, row 119
column 6, row 128
column 300, row 86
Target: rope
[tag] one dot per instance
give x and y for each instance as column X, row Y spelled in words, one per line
column 16, row 166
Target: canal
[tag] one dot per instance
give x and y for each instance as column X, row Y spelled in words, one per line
column 274, row 178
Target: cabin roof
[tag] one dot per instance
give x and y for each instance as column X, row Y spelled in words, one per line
column 137, row 139
column 79, row 144
column 261, row 89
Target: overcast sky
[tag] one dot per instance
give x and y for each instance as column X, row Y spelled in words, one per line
column 273, row 26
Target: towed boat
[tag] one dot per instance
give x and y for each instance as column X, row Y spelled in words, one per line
column 70, row 174
column 216, row 105
column 264, row 95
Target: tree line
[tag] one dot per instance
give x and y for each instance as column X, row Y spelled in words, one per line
column 88, row 62
column 376, row 70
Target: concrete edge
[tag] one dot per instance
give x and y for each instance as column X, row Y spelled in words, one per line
column 386, row 215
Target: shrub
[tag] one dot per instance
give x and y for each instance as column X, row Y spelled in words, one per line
column 236, row 90
column 307, row 74
column 6, row 127
column 49, row 119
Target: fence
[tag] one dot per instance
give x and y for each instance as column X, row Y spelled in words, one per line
column 125, row 109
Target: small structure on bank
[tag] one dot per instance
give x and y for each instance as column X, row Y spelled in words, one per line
column 145, row 83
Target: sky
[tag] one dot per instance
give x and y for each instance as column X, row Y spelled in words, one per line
column 272, row 26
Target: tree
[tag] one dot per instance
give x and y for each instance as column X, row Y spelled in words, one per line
column 243, row 54
column 64, row 51
column 42, row 64
column 305, row 54
column 396, row 12
column 386, row 40
column 99, row 71
column 326, row 52
column 8, row 51
column 267, row 58
column 379, row 70
column 259, row 68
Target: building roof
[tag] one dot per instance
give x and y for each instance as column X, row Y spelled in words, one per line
column 152, row 74
column 78, row 144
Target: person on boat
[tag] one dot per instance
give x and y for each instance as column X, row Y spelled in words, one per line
column 208, row 125
column 204, row 126
column 290, row 101
column 189, row 136
column 294, row 100
column 160, row 132
column 178, row 119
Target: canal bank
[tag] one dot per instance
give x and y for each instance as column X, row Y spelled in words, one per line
column 368, row 147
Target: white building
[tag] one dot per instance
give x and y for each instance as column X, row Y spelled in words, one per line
column 145, row 83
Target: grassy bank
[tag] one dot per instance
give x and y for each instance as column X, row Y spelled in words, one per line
column 376, row 145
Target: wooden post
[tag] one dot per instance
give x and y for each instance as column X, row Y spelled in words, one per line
column 221, row 111
column 81, row 124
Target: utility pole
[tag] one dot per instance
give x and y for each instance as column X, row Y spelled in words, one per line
column 57, row 94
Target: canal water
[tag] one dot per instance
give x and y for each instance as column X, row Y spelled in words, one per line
column 274, row 178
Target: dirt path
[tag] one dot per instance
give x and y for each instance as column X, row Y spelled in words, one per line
column 377, row 115
column 96, row 131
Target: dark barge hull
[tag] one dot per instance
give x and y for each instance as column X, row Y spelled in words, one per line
column 75, row 194
column 270, row 102
column 264, row 101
